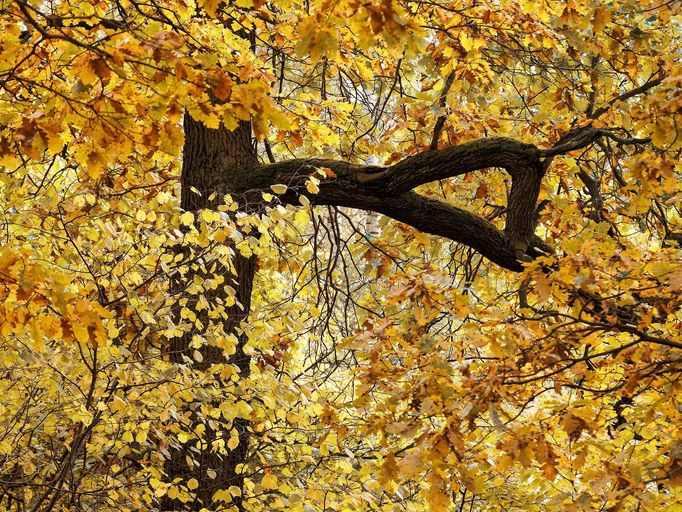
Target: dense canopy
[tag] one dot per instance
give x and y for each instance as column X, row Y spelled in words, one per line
column 336, row 255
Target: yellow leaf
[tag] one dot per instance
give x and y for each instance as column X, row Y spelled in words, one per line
column 233, row 442
column 466, row 41
column 209, row 216
column 80, row 332
column 210, row 6
column 601, row 17
column 420, row 316
column 662, row 133
column 312, row 185
column 187, row 218
column 269, row 482
column 436, row 495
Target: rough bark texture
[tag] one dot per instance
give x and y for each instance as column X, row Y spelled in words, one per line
column 213, row 160
column 388, row 190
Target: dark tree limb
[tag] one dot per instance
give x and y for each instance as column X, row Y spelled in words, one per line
column 516, row 157
column 585, row 136
column 389, row 190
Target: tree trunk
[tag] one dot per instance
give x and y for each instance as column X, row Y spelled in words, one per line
column 213, row 161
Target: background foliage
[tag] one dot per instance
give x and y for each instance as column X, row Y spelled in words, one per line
column 391, row 370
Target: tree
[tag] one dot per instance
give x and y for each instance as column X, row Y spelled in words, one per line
column 244, row 349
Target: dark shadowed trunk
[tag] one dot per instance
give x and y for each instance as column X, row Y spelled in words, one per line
column 213, row 162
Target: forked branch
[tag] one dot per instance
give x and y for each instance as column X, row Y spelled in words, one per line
column 389, row 190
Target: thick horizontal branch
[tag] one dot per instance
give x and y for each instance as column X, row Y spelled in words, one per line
column 388, row 190
column 441, row 219
column 416, row 170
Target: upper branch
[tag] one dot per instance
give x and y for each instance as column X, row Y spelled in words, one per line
column 418, row 169
column 388, row 190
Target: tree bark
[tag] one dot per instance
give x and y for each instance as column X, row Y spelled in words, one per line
column 213, row 161
column 389, row 190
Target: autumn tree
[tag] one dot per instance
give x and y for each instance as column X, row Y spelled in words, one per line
column 348, row 255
